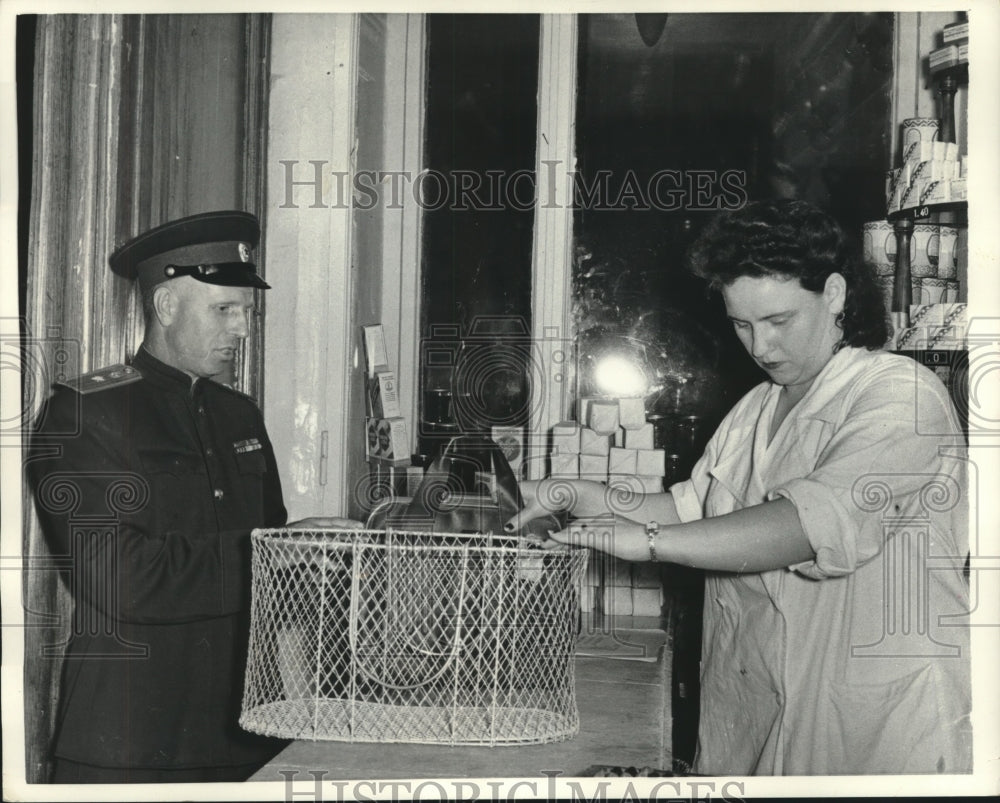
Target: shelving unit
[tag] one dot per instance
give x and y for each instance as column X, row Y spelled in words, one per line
column 948, row 80
column 951, row 365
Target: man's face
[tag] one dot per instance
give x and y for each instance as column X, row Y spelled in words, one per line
column 206, row 325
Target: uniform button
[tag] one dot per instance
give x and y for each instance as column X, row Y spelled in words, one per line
column 201, row 411
column 209, row 452
column 218, row 493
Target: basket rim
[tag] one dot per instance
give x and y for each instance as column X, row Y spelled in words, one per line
column 338, row 537
column 562, row 725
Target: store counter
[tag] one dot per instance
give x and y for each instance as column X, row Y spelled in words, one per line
column 625, row 721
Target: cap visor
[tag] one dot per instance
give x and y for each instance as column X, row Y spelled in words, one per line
column 234, row 274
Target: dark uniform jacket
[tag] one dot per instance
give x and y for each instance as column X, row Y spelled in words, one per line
column 148, row 490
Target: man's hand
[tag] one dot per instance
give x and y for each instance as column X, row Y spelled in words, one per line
column 308, row 558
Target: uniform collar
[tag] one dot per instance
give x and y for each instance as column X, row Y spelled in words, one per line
column 159, row 373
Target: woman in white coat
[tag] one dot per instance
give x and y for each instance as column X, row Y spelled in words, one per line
column 829, row 511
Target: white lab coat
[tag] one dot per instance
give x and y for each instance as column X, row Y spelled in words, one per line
column 856, row 662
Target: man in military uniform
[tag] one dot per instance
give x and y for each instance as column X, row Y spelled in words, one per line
column 183, row 466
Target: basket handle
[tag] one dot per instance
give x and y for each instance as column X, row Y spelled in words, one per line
column 355, row 616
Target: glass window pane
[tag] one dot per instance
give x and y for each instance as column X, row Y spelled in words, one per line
column 478, row 197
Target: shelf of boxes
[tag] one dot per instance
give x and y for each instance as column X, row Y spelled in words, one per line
column 920, row 263
column 933, row 176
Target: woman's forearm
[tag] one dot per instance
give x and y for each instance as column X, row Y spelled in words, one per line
column 592, row 499
column 755, row 539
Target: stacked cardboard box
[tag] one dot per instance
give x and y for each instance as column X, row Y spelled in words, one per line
column 617, row 587
column 933, row 326
column 955, row 50
column 387, row 441
column 932, row 172
column 611, row 442
column 623, row 588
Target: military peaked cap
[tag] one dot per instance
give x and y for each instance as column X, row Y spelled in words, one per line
column 213, row 247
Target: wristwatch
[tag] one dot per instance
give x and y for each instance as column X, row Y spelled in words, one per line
column 652, row 530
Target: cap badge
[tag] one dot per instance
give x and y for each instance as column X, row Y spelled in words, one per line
column 244, row 252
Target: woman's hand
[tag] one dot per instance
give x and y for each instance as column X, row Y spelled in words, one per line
column 544, row 498
column 614, row 535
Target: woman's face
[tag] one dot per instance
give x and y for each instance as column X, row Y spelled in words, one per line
column 789, row 331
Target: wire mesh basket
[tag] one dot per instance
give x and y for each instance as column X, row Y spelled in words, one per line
column 433, row 638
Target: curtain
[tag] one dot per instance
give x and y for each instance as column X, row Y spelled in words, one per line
column 79, row 66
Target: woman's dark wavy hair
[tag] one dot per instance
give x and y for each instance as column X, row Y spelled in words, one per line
column 793, row 239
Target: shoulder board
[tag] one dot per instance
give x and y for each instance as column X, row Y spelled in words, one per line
column 112, row 376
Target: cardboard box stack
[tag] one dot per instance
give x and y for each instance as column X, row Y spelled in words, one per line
column 932, row 171
column 621, row 588
column 387, row 441
column 612, row 442
column 933, row 326
column 955, row 49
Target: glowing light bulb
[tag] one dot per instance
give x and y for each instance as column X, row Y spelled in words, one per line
column 618, row 376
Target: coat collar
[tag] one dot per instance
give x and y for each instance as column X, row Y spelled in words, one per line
column 824, row 401
column 160, row 374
